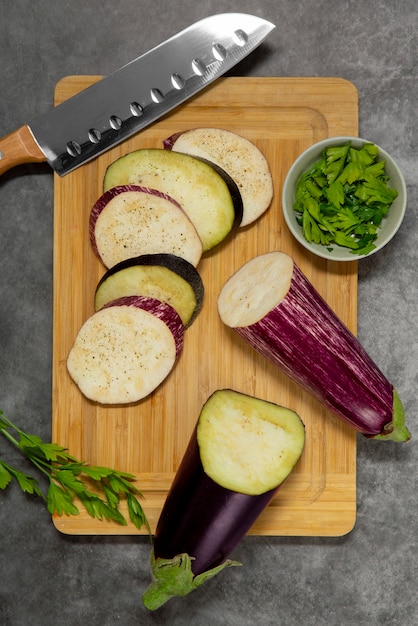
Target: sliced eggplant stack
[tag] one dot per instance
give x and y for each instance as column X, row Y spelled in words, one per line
column 237, row 156
column 208, row 195
column 165, row 277
column 240, row 453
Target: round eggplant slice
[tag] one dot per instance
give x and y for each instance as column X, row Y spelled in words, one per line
column 123, row 352
column 238, row 156
column 166, row 277
column 130, row 220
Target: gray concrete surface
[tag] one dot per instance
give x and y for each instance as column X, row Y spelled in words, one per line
column 368, row 577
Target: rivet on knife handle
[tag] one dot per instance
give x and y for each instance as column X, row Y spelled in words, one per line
column 19, row 147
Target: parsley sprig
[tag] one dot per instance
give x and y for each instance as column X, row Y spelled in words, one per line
column 343, row 198
column 99, row 489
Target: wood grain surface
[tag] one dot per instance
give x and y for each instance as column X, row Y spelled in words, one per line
column 282, row 116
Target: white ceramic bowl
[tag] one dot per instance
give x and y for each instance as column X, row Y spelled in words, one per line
column 390, row 224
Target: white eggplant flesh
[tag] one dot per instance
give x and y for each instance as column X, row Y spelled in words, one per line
column 247, row 444
column 123, row 352
column 131, row 220
column 239, row 157
column 272, row 305
column 209, row 197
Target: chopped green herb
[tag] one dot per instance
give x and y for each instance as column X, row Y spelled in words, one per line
column 343, row 198
column 99, row 489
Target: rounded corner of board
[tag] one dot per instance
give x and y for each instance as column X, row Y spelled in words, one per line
column 349, row 527
column 60, row 525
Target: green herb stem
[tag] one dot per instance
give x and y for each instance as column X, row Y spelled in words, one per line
column 99, row 489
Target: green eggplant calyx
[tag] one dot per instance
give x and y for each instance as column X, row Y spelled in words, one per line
column 396, row 430
column 174, row 577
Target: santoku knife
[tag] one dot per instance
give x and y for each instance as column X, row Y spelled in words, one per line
column 116, row 107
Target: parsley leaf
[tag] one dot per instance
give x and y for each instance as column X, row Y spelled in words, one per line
column 335, row 194
column 5, row 475
column 99, row 489
column 60, row 501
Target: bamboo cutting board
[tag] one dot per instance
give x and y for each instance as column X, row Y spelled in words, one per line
column 282, row 116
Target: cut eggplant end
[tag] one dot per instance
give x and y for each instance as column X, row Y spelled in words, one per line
column 246, row 444
column 255, row 289
column 123, row 352
column 239, row 454
column 396, row 430
column 174, row 578
column 165, row 277
column 276, row 310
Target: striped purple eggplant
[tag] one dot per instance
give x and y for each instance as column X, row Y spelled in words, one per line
column 274, row 307
column 241, row 451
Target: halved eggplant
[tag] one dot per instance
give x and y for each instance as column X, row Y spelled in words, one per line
column 130, row 220
column 165, row 277
column 238, row 156
column 207, row 194
column 241, row 451
column 273, row 306
column 123, row 352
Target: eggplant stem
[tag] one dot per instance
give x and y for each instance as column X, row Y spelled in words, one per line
column 174, row 577
column 396, row 429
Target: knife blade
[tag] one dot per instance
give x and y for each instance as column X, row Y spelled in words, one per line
column 139, row 93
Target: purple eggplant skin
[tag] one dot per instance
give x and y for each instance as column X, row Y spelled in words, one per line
column 199, row 526
column 202, row 518
column 169, row 142
column 228, row 475
column 162, row 310
column 306, row 340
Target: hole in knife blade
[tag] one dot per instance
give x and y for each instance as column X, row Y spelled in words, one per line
column 95, row 135
column 115, row 122
column 177, row 81
column 136, row 109
column 219, row 52
column 156, row 95
column 240, row 37
column 73, row 148
column 198, row 67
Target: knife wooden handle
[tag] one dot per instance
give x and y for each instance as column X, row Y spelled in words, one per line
column 19, row 147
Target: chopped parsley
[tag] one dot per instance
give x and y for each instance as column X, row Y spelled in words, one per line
column 343, row 198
